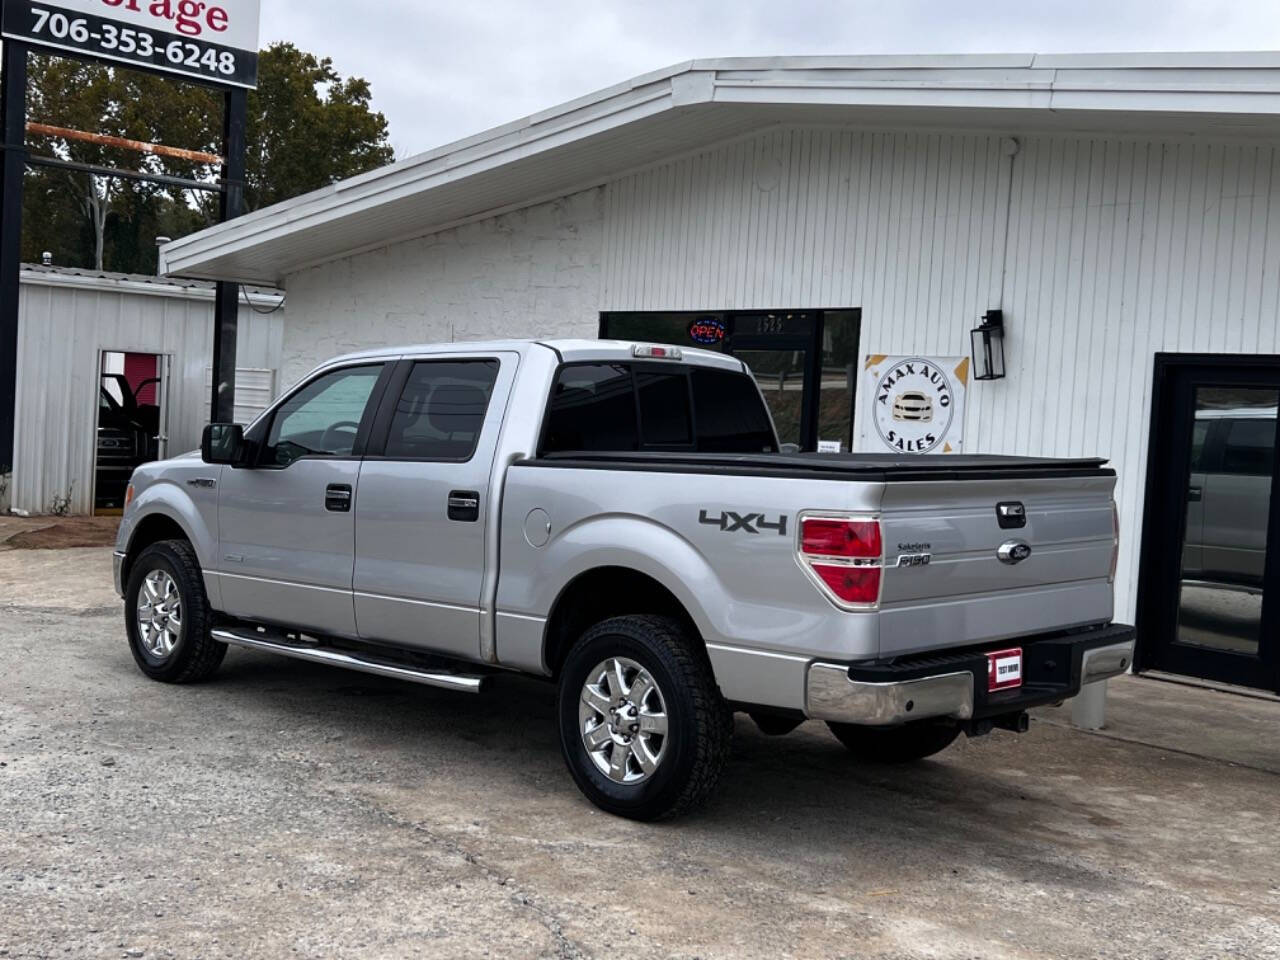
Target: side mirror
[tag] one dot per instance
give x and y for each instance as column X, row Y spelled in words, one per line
column 222, row 443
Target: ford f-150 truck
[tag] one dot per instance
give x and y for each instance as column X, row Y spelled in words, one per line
column 618, row 519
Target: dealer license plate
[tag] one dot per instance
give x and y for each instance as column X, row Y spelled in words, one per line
column 1004, row 669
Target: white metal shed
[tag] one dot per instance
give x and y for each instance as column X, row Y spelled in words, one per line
column 69, row 317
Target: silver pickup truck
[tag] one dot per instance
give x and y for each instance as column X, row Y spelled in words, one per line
column 618, row 519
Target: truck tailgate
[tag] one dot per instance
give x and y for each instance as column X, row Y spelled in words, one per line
column 945, row 583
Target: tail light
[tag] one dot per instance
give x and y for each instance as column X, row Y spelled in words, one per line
column 1115, row 542
column 844, row 557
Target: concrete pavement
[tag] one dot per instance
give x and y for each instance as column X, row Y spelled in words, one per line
column 292, row 810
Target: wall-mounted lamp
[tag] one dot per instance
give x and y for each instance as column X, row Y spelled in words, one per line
column 988, row 347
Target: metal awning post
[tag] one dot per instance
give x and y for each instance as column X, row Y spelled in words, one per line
column 222, row 404
column 13, row 117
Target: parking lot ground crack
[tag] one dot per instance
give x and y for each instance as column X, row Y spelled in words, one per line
column 1162, row 748
column 566, row 948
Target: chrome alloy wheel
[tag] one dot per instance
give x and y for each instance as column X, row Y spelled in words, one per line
column 159, row 614
column 623, row 719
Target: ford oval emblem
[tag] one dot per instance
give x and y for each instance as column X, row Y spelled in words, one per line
column 1013, row 551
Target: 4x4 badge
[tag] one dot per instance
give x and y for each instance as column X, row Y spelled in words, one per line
column 729, row 521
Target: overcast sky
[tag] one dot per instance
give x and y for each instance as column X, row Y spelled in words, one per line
column 444, row 70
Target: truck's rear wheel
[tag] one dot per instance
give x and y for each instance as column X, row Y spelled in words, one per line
column 167, row 615
column 643, row 727
column 895, row 744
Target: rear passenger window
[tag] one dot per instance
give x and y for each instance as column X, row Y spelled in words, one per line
column 441, row 410
column 731, row 415
column 592, row 408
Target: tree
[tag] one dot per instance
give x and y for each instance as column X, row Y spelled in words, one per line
column 306, row 127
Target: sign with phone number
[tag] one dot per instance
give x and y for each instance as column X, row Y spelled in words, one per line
column 216, row 42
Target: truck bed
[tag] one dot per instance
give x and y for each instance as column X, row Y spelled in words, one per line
column 943, row 583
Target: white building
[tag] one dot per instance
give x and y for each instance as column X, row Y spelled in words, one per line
column 1115, row 208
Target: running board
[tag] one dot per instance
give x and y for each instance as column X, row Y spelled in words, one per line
column 467, row 683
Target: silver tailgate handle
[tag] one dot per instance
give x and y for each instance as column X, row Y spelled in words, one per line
column 1011, row 515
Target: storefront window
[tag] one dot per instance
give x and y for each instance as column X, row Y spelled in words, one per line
column 805, row 361
column 702, row 330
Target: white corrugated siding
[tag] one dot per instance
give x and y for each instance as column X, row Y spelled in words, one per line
column 1117, row 248
column 62, row 329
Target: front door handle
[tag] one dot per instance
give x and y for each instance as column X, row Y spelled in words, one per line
column 337, row 497
column 464, row 505
column 1194, row 494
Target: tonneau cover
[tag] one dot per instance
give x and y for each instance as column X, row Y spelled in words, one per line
column 861, row 466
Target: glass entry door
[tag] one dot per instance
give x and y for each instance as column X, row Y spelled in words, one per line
column 781, row 376
column 1209, row 599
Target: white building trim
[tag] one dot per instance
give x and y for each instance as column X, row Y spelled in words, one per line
column 594, row 138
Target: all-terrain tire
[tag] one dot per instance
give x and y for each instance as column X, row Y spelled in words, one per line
column 699, row 723
column 895, row 744
column 195, row 654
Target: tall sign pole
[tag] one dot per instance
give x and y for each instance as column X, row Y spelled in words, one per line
column 13, row 122
column 226, row 310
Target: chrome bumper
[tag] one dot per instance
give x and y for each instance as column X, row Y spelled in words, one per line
column 117, row 566
column 1103, row 662
column 833, row 696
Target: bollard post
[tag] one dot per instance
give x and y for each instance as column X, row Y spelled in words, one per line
column 1089, row 708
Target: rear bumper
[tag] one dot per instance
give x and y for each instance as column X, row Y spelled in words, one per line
column 954, row 684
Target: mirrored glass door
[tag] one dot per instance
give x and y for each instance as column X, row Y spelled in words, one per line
column 1209, row 596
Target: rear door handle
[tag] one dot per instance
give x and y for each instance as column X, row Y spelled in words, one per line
column 1194, row 494
column 464, row 505
column 337, row 497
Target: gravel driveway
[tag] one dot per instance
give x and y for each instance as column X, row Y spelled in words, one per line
column 287, row 810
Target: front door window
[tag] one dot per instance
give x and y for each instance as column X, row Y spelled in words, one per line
column 323, row 418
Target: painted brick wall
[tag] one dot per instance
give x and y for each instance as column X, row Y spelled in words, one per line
column 534, row 272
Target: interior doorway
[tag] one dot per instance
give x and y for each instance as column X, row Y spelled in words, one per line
column 805, row 361
column 132, row 423
column 1209, row 595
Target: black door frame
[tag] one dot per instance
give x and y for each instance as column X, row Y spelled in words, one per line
column 811, row 343
column 1175, row 377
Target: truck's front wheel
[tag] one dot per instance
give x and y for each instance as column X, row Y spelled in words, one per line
column 167, row 615
column 895, row 744
column 643, row 727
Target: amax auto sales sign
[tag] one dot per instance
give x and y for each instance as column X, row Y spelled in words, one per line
column 213, row 40
column 915, row 404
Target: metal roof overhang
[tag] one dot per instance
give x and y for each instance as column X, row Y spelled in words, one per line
column 693, row 105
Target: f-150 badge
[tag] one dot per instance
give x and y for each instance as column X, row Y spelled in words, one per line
column 914, row 559
column 728, row 521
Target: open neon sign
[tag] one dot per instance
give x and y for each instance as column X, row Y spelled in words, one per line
column 708, row 330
